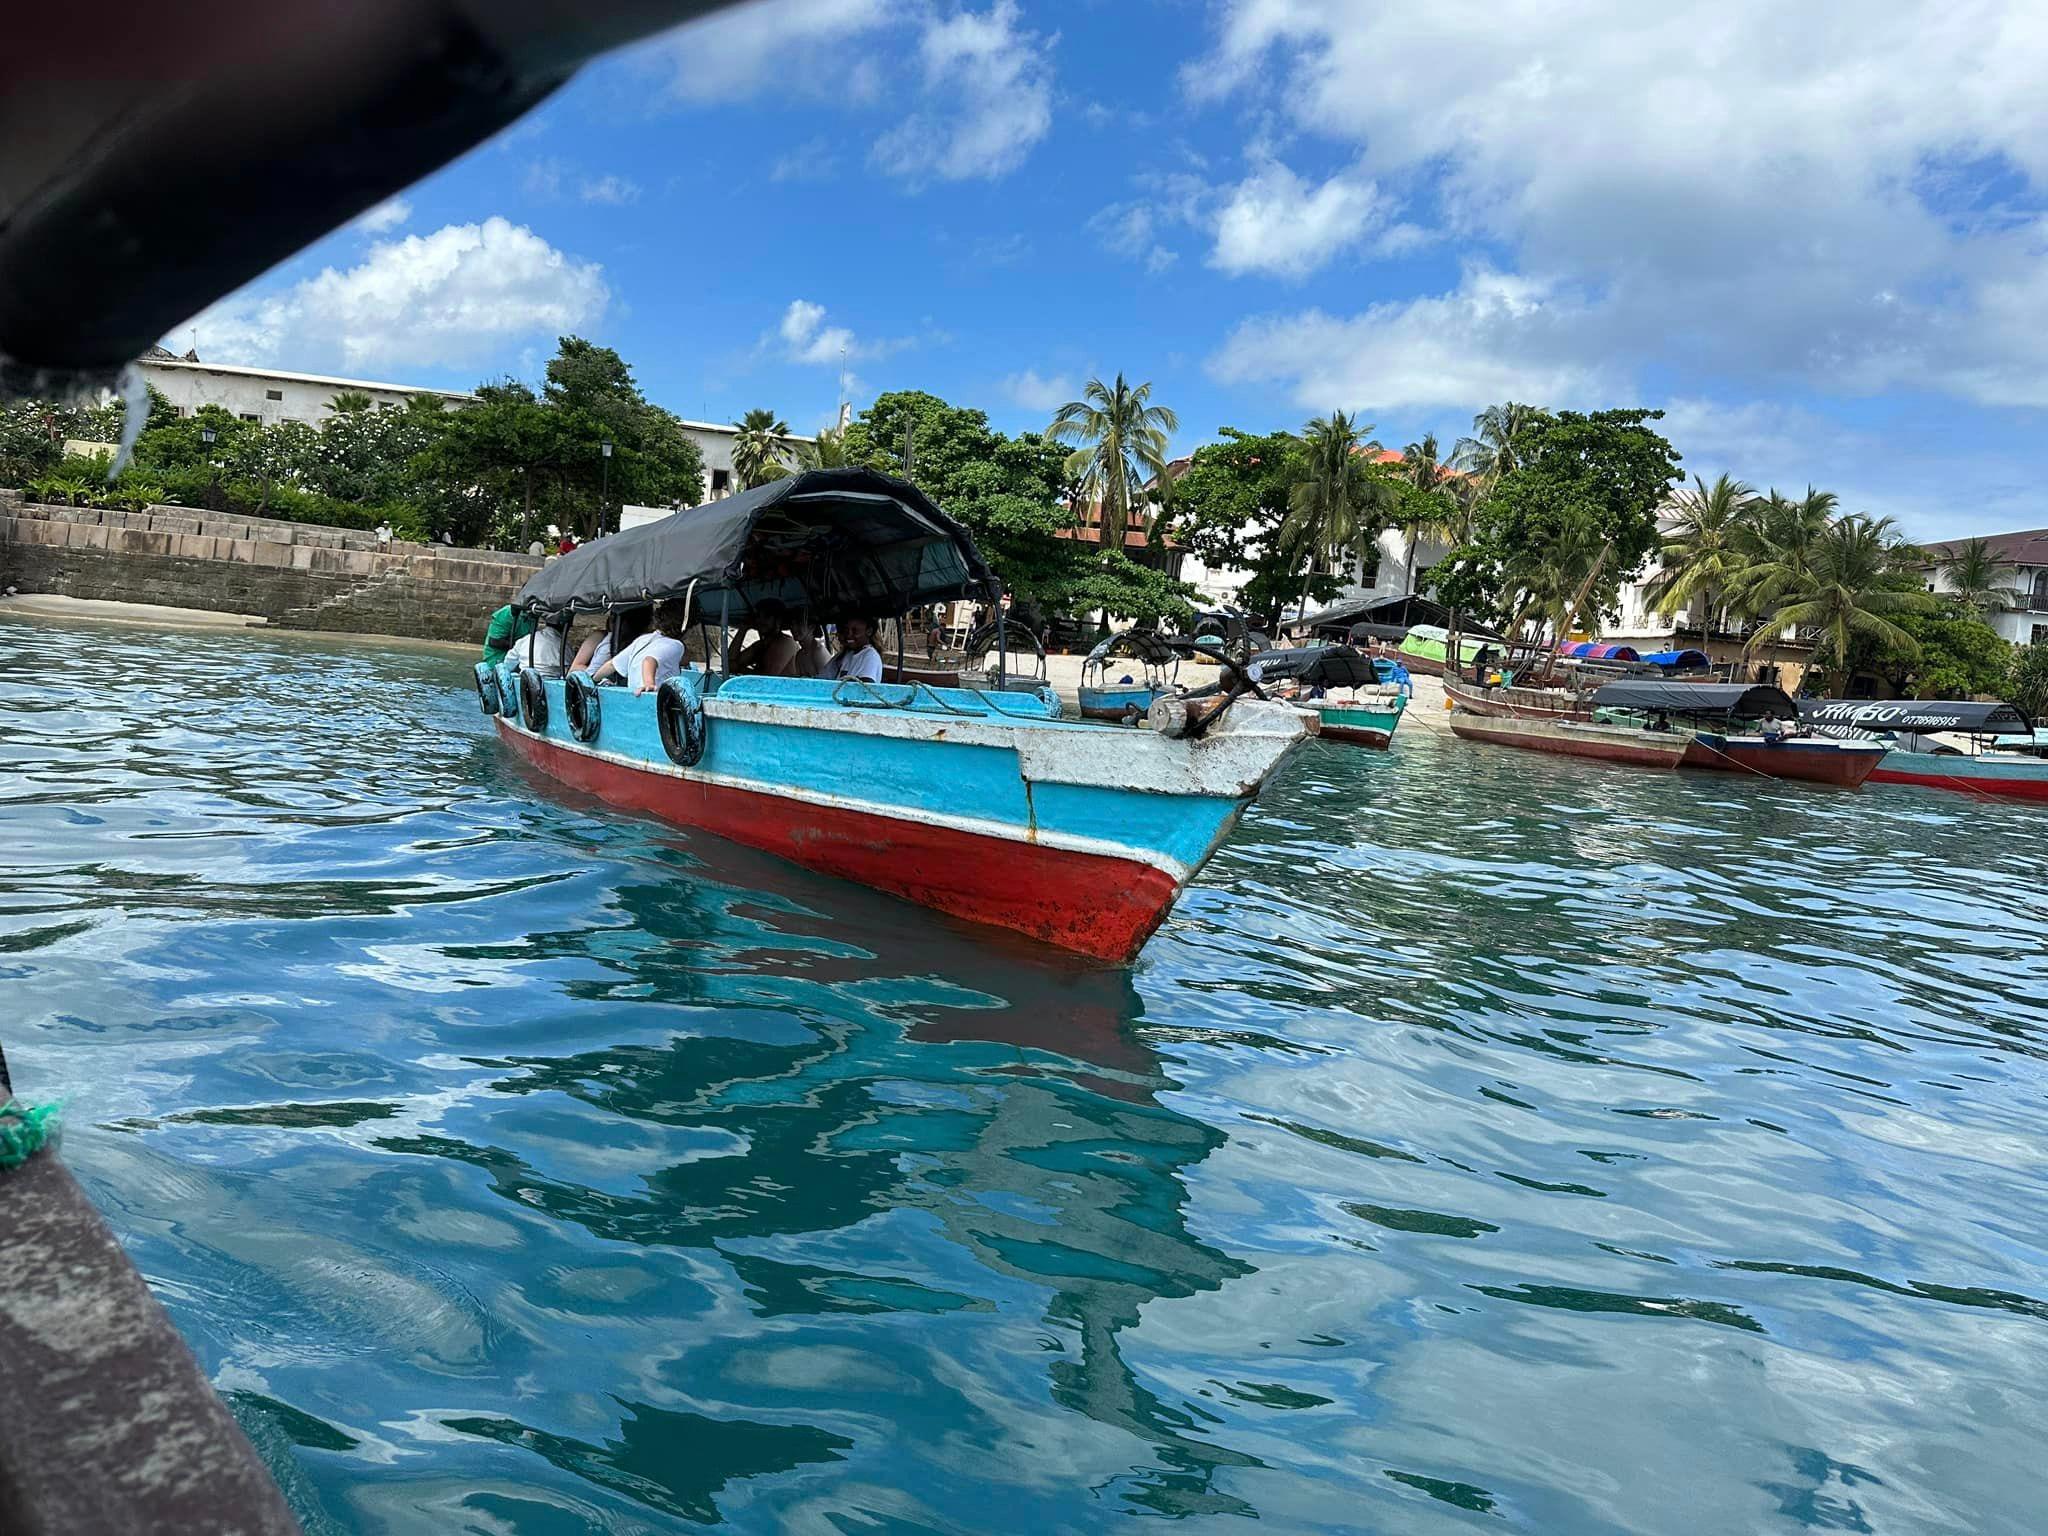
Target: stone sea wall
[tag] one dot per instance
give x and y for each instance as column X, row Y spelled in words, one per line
column 296, row 575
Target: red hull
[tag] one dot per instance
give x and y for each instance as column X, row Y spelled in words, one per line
column 1354, row 736
column 1090, row 903
column 1966, row 783
column 1811, row 764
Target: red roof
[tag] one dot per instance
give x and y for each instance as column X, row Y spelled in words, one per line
column 2028, row 547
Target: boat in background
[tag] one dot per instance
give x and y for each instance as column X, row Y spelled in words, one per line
column 1128, row 698
column 979, row 802
column 1653, row 723
column 1975, row 747
column 1427, row 647
column 1376, row 691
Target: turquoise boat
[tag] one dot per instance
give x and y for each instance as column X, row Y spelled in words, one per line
column 1375, row 691
column 979, row 802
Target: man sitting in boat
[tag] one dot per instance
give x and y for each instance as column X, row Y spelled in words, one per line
column 654, row 658
column 776, row 653
column 540, row 650
column 857, row 656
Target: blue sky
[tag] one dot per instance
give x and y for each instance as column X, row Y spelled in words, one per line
column 1819, row 241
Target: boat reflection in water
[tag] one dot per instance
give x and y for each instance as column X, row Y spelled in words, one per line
column 946, row 1153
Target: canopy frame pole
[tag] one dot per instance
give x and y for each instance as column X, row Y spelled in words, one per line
column 724, row 633
column 1002, row 641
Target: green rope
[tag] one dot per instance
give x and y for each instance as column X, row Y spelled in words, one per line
column 24, row 1128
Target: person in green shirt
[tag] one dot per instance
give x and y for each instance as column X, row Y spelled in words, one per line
column 507, row 629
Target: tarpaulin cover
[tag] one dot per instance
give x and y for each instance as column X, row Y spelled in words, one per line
column 1333, row 666
column 1595, row 650
column 1920, row 716
column 1747, row 701
column 825, row 541
column 1678, row 661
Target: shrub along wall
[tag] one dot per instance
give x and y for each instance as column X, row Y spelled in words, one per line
column 295, row 575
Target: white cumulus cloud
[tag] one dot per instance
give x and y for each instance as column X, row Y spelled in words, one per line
column 387, row 215
column 457, row 296
column 1038, row 394
column 806, row 338
column 1494, row 337
column 989, row 88
column 735, row 53
column 1275, row 222
column 1844, row 198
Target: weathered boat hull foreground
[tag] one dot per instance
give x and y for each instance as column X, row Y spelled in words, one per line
column 2021, row 778
column 1075, row 836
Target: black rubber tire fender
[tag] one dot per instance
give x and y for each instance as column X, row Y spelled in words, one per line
column 580, row 703
column 533, row 701
column 680, row 714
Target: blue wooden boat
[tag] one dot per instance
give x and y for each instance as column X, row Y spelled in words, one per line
column 1128, row 698
column 980, row 802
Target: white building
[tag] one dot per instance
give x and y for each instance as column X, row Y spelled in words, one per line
column 272, row 395
column 268, row 395
column 2026, row 621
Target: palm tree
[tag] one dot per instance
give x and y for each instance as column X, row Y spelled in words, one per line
column 350, row 402
column 758, row 447
column 1123, row 444
column 1439, row 511
column 1333, row 510
column 1700, row 557
column 1498, row 443
column 1845, row 596
column 1978, row 577
column 828, row 451
column 1774, row 544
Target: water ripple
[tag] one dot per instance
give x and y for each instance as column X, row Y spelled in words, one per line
column 1485, row 1142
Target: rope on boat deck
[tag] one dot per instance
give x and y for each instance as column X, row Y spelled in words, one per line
column 1735, row 760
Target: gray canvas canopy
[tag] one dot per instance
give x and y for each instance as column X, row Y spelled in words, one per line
column 1736, row 700
column 1877, row 717
column 826, row 541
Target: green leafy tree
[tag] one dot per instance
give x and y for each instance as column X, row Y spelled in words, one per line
column 350, row 402
column 1979, row 578
column 1123, row 441
column 1852, row 589
column 1701, row 555
column 2026, row 680
column 1336, row 504
column 1955, row 655
column 1579, row 512
column 1229, row 506
column 595, row 400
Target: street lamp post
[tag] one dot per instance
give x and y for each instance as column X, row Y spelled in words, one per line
column 604, row 494
column 212, row 475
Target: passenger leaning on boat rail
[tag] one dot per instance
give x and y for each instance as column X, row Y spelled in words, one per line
column 541, row 650
column 652, row 659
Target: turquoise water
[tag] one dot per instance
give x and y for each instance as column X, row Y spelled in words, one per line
column 1486, row 1143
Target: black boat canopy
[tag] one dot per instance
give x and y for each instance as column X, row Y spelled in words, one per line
column 1140, row 644
column 1920, row 716
column 1746, row 701
column 1333, row 666
column 826, row 541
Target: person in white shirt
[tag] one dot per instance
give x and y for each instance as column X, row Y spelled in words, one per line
column 654, row 658
column 541, row 650
column 597, row 647
column 857, row 656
